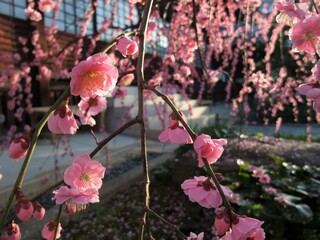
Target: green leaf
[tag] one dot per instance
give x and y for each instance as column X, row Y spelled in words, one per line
column 277, row 160
column 296, row 212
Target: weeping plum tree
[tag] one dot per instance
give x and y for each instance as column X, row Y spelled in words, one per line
column 205, row 42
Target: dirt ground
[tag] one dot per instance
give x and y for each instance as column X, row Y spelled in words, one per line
column 257, row 150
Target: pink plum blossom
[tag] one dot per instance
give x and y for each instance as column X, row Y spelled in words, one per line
column 176, row 133
column 45, row 73
column 94, row 76
column 208, row 148
column 244, row 227
column 49, row 230
column 222, row 221
column 63, row 194
column 84, row 173
column 92, row 105
column 185, row 70
column 290, row 13
column 62, row 121
column 264, row 179
column 13, row 232
column 194, row 236
column 305, row 35
column 24, row 209
column 312, row 91
column 86, row 119
column 46, row 5
column 258, row 172
column 127, row 47
column 19, row 147
column 203, row 191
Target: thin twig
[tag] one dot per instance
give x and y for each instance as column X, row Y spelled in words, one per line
column 114, row 134
column 168, row 223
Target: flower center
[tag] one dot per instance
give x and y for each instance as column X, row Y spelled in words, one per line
column 85, row 178
column 91, row 74
column 206, row 150
column 310, row 36
column 207, row 185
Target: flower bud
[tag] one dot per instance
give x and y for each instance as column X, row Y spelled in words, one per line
column 126, row 46
column 62, row 121
column 24, row 209
column 19, row 147
column 39, row 211
column 13, row 232
column 49, row 229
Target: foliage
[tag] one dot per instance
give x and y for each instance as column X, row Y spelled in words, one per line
column 297, row 216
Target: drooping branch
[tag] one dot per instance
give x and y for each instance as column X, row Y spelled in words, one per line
column 210, row 172
column 24, row 167
column 141, row 81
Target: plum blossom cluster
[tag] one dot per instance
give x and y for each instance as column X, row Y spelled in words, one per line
column 84, row 179
column 305, row 36
column 242, row 227
column 204, row 191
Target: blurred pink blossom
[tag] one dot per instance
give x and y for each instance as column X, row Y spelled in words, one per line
column 305, row 35
column 264, row 179
column 126, row 80
column 271, row 190
column 281, row 200
column 290, row 13
column 46, row 5
column 33, row 14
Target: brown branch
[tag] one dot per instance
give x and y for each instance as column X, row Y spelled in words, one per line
column 140, row 77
